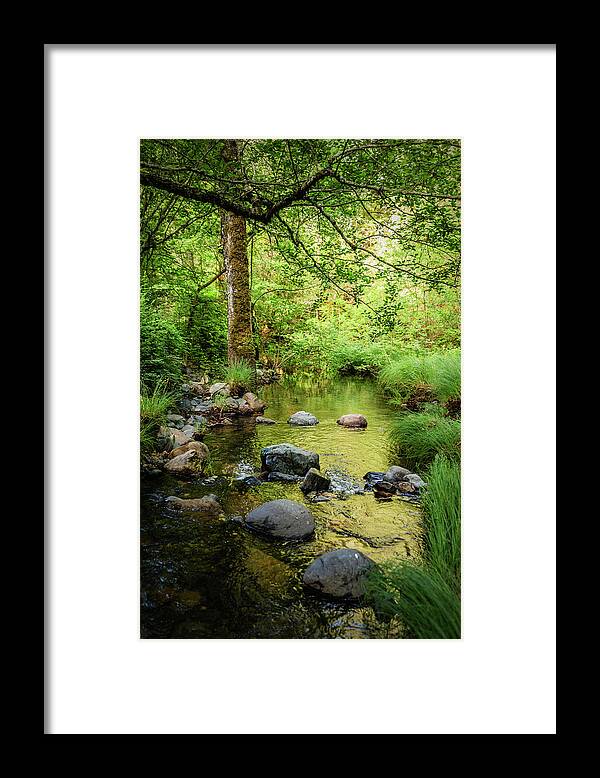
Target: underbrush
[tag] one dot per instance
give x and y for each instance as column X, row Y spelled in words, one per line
column 421, row 597
column 435, row 373
column 155, row 403
column 426, row 598
column 416, row 438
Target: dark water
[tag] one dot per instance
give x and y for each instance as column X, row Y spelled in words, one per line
column 211, row 578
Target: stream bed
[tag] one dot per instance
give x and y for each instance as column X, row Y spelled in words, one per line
column 206, row 577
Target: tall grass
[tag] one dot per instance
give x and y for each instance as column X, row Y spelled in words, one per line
column 421, row 597
column 441, row 507
column 426, row 598
column 154, row 406
column 437, row 372
column 240, row 376
column 416, row 438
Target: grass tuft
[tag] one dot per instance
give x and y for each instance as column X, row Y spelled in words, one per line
column 415, row 438
column 421, row 597
column 240, row 376
column 436, row 374
column 154, row 406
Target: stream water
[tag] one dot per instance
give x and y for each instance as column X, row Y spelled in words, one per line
column 212, row 578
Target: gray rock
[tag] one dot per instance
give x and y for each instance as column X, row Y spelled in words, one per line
column 415, row 480
column 314, row 482
column 219, row 388
column 372, row 478
column 395, row 474
column 175, row 420
column 171, row 437
column 264, row 420
column 189, row 429
column 283, row 477
column 287, row 458
column 197, row 420
column 303, row 419
column 247, row 480
column 284, row 519
column 202, row 407
column 339, row 573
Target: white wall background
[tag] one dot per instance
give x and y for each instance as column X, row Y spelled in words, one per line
column 500, row 677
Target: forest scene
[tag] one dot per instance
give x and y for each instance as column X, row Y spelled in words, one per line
column 300, row 388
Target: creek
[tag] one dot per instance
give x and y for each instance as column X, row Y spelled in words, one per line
column 213, row 578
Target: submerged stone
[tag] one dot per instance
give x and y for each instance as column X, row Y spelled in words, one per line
column 287, row 458
column 282, row 519
column 339, row 573
column 207, row 504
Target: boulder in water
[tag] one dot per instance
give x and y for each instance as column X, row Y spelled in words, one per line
column 256, row 405
column 265, row 420
column 193, row 445
column 170, row 437
column 339, row 573
column 314, row 482
column 355, row 420
column 395, row 474
column 416, row 480
column 187, row 464
column 303, row 419
column 287, row 458
column 282, row 519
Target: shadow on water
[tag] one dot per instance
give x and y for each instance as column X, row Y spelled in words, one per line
column 211, row 578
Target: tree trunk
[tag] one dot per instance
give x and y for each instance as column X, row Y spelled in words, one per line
column 235, row 258
column 239, row 319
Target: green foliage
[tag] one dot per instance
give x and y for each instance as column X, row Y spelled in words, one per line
column 441, row 506
column 426, row 597
column 437, row 373
column 416, row 438
column 421, row 597
column 206, row 333
column 443, row 375
column 161, row 348
column 357, row 358
column 240, row 376
column 154, row 406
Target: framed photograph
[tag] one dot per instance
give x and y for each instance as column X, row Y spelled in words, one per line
column 291, row 322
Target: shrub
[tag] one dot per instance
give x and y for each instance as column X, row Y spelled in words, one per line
column 356, row 358
column 417, row 437
column 161, row 348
